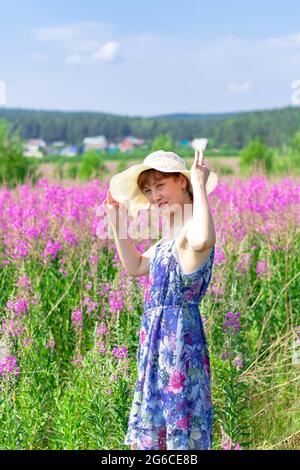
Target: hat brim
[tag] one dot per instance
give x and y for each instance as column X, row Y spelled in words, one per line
column 123, row 186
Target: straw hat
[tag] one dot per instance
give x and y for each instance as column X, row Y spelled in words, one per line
column 124, row 188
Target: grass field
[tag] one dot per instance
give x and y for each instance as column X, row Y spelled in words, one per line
column 70, row 317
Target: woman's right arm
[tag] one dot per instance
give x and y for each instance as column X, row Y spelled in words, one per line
column 134, row 263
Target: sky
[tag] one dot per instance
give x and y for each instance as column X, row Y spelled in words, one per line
column 146, row 58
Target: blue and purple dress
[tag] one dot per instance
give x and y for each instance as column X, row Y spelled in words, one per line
column 172, row 403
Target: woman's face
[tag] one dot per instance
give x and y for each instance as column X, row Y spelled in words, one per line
column 165, row 192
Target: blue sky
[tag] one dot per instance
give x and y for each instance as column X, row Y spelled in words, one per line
column 143, row 58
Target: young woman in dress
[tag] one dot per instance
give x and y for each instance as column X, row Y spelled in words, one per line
column 172, row 404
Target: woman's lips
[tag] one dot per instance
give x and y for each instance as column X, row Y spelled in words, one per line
column 161, row 204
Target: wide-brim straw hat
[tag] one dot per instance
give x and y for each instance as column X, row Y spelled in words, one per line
column 124, row 188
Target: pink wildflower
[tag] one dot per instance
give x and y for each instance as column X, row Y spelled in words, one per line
column 77, row 317
column 8, row 366
column 120, row 353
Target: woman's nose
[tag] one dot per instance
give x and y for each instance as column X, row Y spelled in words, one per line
column 156, row 196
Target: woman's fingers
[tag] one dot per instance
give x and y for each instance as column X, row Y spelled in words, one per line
column 110, row 199
column 201, row 157
column 196, row 157
column 109, row 196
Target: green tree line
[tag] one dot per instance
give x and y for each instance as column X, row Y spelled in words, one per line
column 274, row 127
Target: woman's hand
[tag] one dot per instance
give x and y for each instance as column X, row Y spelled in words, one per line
column 115, row 211
column 199, row 172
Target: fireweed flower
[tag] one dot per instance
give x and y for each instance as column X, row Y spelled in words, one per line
column 86, row 301
column 101, row 347
column 13, row 327
column 77, row 318
column 27, row 342
column 69, row 237
column 17, row 307
column 92, row 307
column 261, row 268
column 225, row 355
column 143, row 280
column 65, row 273
column 24, row 282
column 90, row 304
column 120, row 353
column 245, row 262
column 77, row 359
column 21, row 250
column 50, row 344
column 101, row 330
column 238, row 362
column 94, row 259
column 62, row 267
column 215, row 286
column 8, row 367
column 31, row 233
column 116, row 259
column 51, row 249
column 227, row 443
column 232, row 323
column 103, row 289
column 116, row 301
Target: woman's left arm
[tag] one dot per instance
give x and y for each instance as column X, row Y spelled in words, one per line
column 200, row 233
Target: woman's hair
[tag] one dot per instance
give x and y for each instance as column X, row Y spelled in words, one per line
column 155, row 175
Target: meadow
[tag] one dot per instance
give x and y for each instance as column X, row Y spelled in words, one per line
column 70, row 317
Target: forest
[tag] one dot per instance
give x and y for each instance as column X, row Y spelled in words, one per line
column 274, row 127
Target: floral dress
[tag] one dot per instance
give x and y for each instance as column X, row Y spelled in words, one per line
column 172, row 403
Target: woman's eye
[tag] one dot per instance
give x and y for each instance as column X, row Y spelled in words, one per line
column 146, row 191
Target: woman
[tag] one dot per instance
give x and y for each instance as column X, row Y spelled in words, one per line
column 172, row 404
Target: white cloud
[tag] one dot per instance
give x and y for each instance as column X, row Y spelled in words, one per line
column 82, row 41
column 108, row 52
column 76, row 37
column 180, row 73
column 238, row 88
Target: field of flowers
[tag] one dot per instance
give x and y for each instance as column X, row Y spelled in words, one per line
column 70, row 318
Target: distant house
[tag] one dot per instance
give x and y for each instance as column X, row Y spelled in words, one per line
column 128, row 144
column 135, row 140
column 184, row 143
column 32, row 151
column 98, row 142
column 69, row 151
column 112, row 147
column 49, row 150
column 55, row 148
column 39, row 143
column 34, row 148
column 59, row 144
